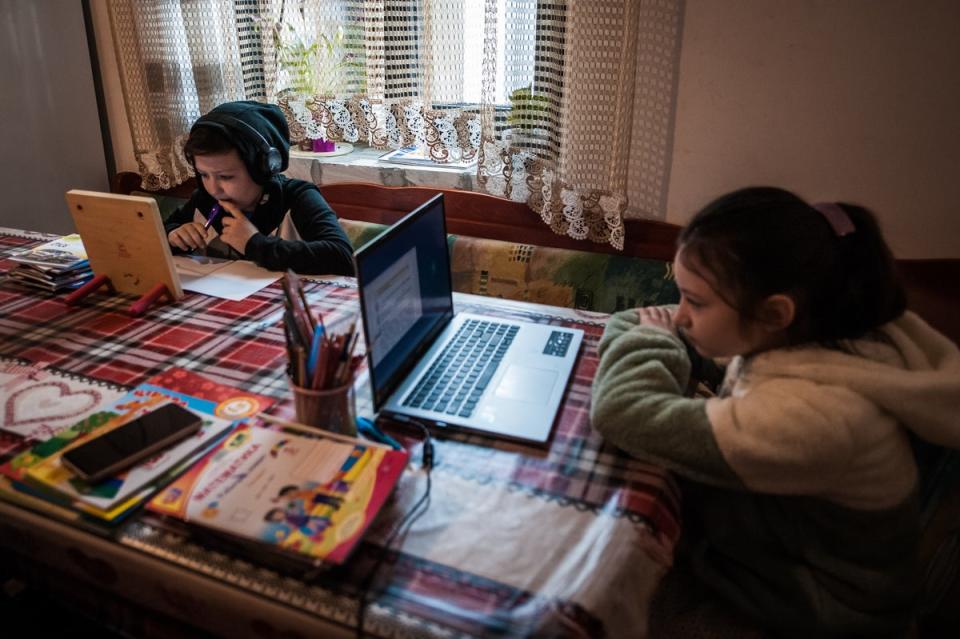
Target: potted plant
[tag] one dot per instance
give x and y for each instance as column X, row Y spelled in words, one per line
column 311, row 67
column 529, row 113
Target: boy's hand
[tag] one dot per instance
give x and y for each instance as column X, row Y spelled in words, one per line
column 188, row 237
column 658, row 316
column 237, row 229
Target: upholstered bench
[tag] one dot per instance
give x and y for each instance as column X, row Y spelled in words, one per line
column 547, row 275
column 546, row 268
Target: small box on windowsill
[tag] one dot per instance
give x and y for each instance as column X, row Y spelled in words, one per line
column 321, row 149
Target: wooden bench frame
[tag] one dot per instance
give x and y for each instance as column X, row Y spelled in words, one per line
column 933, row 285
column 468, row 213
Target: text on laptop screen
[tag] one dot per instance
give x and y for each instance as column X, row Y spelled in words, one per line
column 405, row 276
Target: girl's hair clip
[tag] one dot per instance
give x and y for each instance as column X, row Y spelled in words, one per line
column 839, row 220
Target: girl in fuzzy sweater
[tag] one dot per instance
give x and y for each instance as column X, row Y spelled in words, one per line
column 799, row 478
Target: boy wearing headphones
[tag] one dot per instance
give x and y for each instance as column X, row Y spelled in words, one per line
column 243, row 208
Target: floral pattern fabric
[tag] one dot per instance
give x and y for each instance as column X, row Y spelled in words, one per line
column 559, row 277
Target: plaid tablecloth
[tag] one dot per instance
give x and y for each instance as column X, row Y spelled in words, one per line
column 517, row 541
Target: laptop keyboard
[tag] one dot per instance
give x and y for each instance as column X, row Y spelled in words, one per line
column 458, row 376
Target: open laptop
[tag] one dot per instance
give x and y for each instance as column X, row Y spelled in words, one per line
column 504, row 378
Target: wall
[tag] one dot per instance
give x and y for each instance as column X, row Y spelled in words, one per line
column 856, row 100
column 113, row 93
column 851, row 99
column 49, row 123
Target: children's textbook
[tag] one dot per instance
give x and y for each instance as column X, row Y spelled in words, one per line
column 115, row 495
column 312, row 495
column 37, row 475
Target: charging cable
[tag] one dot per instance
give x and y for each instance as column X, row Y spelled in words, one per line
column 402, row 527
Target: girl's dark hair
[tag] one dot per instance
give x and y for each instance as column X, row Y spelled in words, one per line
column 205, row 140
column 761, row 241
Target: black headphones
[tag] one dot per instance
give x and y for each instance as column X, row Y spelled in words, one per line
column 268, row 161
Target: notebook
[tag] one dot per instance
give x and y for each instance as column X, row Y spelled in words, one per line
column 504, row 378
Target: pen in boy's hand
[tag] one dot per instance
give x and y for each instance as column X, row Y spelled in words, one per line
column 214, row 212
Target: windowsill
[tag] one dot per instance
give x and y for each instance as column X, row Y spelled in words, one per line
column 363, row 165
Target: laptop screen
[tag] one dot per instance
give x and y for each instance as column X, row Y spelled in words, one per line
column 404, row 281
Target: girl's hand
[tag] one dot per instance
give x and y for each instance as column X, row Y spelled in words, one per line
column 658, row 316
column 237, row 229
column 188, row 237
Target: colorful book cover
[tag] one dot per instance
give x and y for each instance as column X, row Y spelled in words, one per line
column 313, row 496
column 223, row 403
column 50, row 474
column 38, row 402
column 419, row 156
column 59, row 255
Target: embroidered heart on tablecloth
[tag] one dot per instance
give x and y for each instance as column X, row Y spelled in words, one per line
column 48, row 401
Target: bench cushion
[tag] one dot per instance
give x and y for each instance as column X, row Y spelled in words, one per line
column 559, row 277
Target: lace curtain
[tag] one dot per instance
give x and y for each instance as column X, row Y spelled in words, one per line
column 564, row 104
column 178, row 60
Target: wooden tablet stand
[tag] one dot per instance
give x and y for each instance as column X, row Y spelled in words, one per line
column 137, row 309
column 127, row 248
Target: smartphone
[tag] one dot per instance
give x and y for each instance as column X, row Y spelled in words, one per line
column 106, row 455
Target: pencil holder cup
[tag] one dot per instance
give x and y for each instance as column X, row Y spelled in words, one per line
column 332, row 409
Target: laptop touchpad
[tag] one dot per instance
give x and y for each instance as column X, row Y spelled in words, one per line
column 526, row 384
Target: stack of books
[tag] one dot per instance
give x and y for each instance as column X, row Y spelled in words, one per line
column 55, row 266
column 38, row 475
column 289, row 495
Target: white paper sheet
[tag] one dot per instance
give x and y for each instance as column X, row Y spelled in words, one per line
column 232, row 280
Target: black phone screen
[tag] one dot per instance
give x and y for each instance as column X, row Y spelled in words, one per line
column 135, row 440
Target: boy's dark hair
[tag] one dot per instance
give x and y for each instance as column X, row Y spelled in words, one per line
column 760, row 241
column 206, row 141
